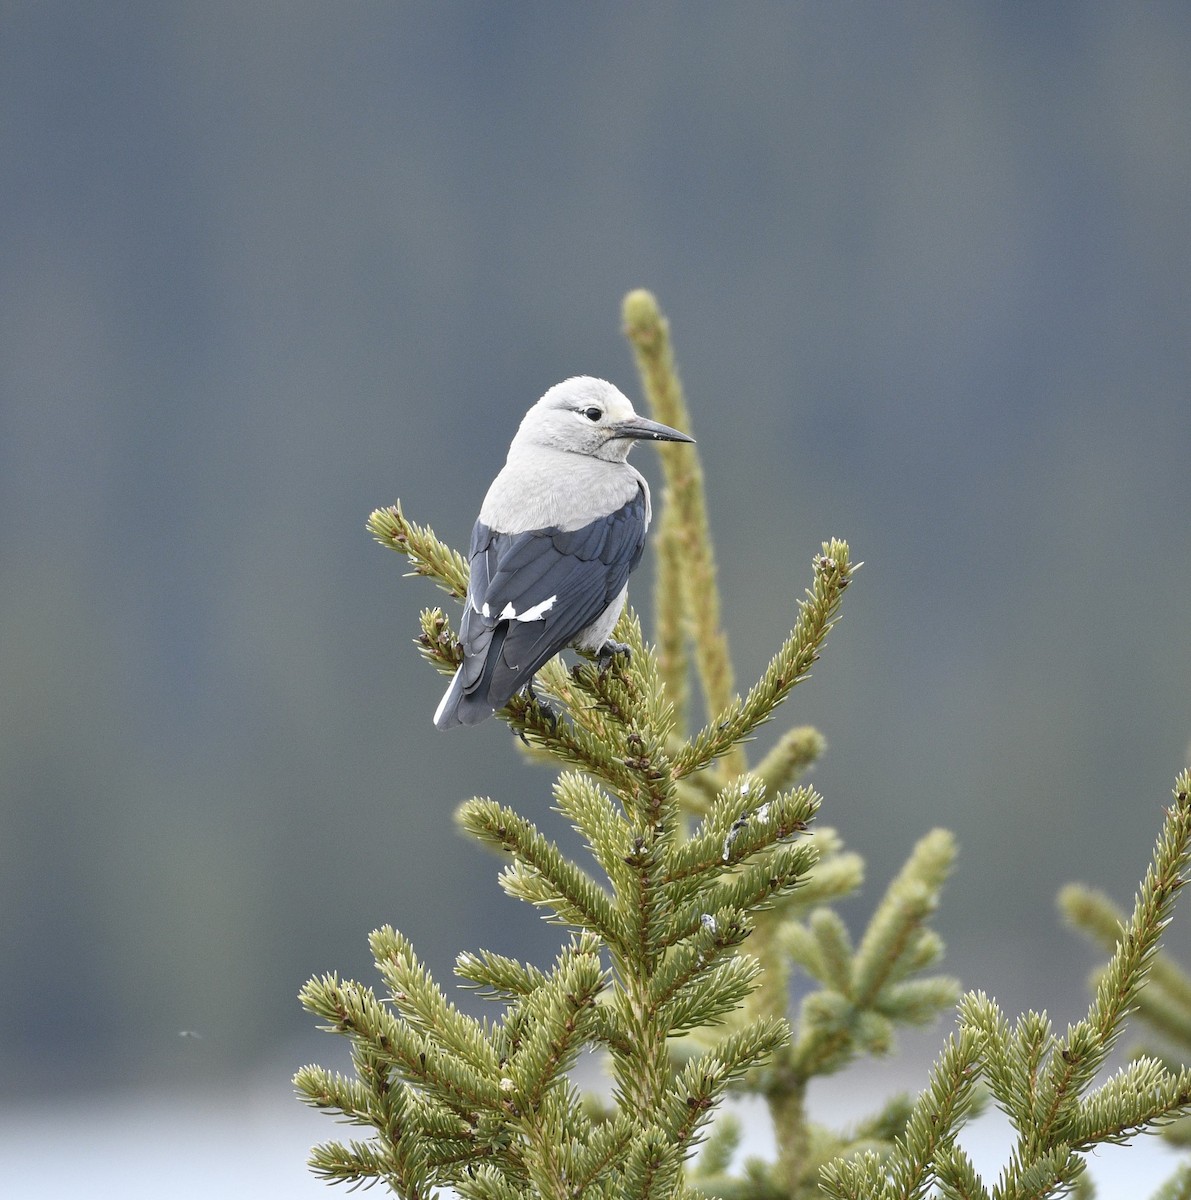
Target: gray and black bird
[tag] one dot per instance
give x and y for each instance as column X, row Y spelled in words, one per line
column 560, row 531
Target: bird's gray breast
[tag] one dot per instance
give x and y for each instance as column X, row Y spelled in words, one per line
column 541, row 488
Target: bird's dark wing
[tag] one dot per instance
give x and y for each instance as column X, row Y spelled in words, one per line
column 532, row 593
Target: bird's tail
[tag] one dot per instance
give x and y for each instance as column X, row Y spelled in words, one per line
column 458, row 707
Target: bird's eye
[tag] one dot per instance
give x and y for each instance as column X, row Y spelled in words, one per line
column 593, row 413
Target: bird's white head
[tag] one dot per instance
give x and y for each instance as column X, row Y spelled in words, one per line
column 591, row 417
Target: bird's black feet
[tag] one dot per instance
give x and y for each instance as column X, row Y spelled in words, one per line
column 547, row 711
column 608, row 651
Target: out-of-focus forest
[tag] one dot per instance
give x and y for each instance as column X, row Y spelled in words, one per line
column 267, row 267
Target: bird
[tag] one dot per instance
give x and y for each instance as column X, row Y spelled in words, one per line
column 559, row 532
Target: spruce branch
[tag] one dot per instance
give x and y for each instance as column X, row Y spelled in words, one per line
column 363, row 1163
column 830, row 961
column 488, row 1183
column 1165, row 1003
column 539, row 872
column 931, row 1128
column 1041, row 1080
column 333, row 1092
column 686, row 964
column 653, row 1169
column 500, row 977
column 427, row 555
column 749, row 888
column 1152, row 910
column 891, row 945
column 569, row 741
column 673, row 662
column 706, row 999
column 740, row 824
column 558, row 1022
column 957, row 1177
column 687, row 527
column 739, row 718
column 352, row 1009
column 795, row 751
column 594, row 815
column 598, row 1158
column 1142, row 1095
column 705, row 1078
column 864, row 989
column 422, row 1004
column 437, row 642
column 936, row 1117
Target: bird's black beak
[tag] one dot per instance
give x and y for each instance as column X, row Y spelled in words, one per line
column 642, row 429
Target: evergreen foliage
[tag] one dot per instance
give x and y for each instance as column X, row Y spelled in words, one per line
column 1163, row 1006
column 707, row 891
column 1041, row 1080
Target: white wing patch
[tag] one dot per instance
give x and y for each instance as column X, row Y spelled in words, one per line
column 536, row 613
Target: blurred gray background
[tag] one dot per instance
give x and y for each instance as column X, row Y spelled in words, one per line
column 265, row 267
